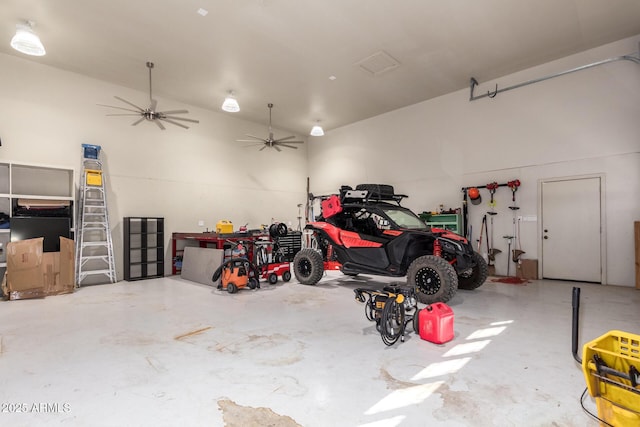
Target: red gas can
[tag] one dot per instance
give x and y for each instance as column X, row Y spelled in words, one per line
column 435, row 323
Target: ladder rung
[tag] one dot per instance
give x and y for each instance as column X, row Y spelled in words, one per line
column 87, row 272
column 90, row 257
column 89, row 244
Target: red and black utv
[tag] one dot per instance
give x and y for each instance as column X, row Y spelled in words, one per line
column 366, row 231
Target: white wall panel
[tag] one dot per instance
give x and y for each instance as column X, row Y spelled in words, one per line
column 578, row 124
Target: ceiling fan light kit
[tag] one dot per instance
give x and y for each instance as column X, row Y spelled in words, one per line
column 26, row 41
column 150, row 112
column 230, row 104
column 317, row 131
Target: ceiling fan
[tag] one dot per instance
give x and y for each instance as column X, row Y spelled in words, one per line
column 270, row 142
column 150, row 113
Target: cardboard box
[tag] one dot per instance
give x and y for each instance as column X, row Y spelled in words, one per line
column 528, row 269
column 32, row 273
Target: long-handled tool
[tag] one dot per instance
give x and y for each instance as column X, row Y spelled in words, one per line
column 492, row 187
column 509, row 239
column 482, row 227
column 492, row 251
column 490, row 257
column 517, row 249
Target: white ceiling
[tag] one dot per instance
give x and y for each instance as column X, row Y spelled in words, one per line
column 284, row 51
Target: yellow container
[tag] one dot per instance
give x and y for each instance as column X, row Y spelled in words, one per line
column 94, row 177
column 224, row 227
column 618, row 404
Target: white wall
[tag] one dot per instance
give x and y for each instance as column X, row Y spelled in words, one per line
column 583, row 123
column 182, row 175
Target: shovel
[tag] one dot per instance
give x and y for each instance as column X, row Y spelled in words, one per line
column 509, row 239
column 492, row 253
column 516, row 254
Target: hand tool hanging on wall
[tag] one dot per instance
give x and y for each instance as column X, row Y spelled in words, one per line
column 486, row 237
column 509, row 239
column 517, row 247
column 492, row 252
column 482, row 227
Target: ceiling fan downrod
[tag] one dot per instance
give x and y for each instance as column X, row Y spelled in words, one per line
column 150, row 66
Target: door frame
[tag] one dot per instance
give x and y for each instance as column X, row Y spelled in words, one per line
column 603, row 220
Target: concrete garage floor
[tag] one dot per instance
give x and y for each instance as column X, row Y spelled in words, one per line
column 169, row 352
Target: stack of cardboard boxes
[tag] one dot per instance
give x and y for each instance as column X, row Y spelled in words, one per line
column 32, row 273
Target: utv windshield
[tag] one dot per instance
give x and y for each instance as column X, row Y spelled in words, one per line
column 405, row 218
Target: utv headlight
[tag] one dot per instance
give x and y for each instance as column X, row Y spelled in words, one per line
column 451, row 246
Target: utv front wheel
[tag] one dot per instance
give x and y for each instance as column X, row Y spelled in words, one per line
column 433, row 278
column 308, row 266
column 478, row 275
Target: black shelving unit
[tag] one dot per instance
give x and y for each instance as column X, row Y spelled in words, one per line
column 143, row 248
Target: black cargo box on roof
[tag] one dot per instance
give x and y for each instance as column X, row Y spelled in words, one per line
column 380, row 192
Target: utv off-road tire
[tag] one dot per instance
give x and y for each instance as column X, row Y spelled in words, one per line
column 433, row 279
column 477, row 276
column 308, row 266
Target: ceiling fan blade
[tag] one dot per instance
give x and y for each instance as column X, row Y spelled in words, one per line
column 263, row 147
column 119, row 108
column 257, row 137
column 288, row 146
column 127, row 102
column 137, row 121
column 124, row 114
column 276, row 147
column 174, row 112
column 174, row 123
column 285, row 138
column 159, row 124
column 290, row 142
column 179, row 118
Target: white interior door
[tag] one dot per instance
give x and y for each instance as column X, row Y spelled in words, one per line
column 571, row 230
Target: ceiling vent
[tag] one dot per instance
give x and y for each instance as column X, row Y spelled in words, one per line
column 378, row 63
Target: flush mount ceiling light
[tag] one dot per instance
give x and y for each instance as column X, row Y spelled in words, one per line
column 26, row 41
column 230, row 104
column 317, row 130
